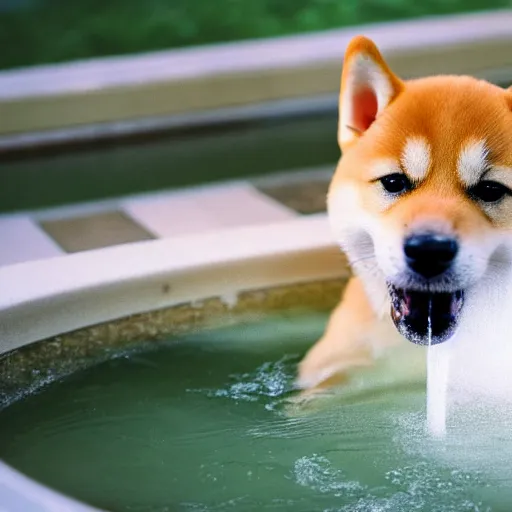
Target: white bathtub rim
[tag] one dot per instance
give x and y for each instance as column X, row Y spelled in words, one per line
column 20, row 493
column 46, row 298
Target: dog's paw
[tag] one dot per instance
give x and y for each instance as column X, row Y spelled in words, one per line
column 322, row 369
column 308, row 401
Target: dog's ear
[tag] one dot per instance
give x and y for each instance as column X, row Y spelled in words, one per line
column 368, row 86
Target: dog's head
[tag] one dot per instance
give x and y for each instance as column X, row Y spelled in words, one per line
column 421, row 200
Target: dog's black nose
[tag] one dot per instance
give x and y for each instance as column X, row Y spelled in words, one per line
column 430, row 254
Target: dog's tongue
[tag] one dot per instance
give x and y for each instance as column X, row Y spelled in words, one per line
column 421, row 315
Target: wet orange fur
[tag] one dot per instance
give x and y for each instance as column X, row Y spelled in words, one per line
column 448, row 112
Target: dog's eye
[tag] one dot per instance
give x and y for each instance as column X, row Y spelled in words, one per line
column 489, row 191
column 396, row 183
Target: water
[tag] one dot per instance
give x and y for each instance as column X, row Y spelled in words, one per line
column 206, row 423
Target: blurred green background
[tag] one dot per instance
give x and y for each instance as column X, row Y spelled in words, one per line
column 45, row 31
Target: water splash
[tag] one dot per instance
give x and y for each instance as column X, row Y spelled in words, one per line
column 438, row 365
column 270, row 382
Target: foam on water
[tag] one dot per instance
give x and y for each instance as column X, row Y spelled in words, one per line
column 317, row 472
column 409, row 487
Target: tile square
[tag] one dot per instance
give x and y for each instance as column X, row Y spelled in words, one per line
column 206, row 209
column 95, row 231
column 305, row 197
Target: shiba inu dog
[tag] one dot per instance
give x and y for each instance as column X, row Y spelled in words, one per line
column 421, row 203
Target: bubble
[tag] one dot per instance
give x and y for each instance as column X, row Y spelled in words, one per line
column 318, row 473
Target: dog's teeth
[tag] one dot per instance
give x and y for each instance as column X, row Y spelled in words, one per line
column 396, row 315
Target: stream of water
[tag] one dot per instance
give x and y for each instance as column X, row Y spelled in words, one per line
column 438, row 366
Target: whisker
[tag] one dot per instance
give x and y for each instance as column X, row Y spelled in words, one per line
column 363, row 258
column 371, row 270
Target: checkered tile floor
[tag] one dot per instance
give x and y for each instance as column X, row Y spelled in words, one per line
column 44, row 234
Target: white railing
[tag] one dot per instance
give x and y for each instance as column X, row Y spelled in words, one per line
column 181, row 82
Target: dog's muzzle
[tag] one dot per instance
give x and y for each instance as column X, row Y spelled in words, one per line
column 427, row 317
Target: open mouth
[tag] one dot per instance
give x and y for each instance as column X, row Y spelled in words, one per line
column 425, row 317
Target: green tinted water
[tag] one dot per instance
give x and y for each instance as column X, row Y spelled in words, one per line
column 205, row 423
